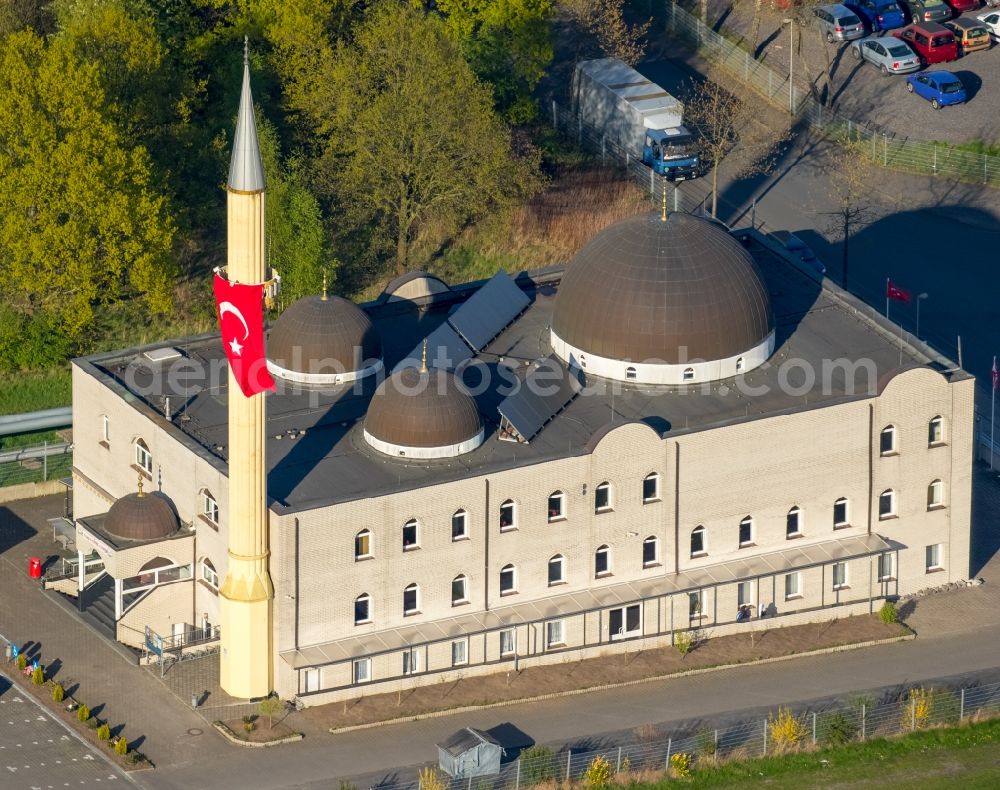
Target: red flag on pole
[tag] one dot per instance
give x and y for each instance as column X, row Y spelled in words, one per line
column 894, row 292
column 241, row 319
column 996, row 376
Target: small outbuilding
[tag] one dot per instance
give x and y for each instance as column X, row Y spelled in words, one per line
column 468, row 753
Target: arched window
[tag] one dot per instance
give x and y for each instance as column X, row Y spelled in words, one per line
column 746, row 531
column 209, row 506
column 508, row 580
column 363, row 545
column 143, row 458
column 460, row 590
column 459, row 525
column 651, row 488
column 362, row 609
column 557, row 506
column 208, row 574
column 935, row 494
column 602, row 498
column 698, row 542
column 650, row 551
column 508, row 515
column 887, row 440
column 411, row 599
column 887, row 504
column 688, row 374
column 630, row 374
column 841, row 513
column 793, row 522
column 411, row 535
column 602, row 561
column 557, row 570
column 935, row 431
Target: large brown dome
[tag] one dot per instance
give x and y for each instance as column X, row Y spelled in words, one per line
column 322, row 336
column 423, row 413
column 671, row 291
column 140, row 516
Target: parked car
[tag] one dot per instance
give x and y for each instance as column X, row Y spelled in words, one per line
column 879, row 15
column 891, row 55
column 932, row 42
column 992, row 22
column 799, row 249
column 970, row 34
column 838, row 23
column 926, row 11
column 962, row 6
column 940, row 88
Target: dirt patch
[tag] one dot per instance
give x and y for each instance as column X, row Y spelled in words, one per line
column 606, row 670
column 261, row 733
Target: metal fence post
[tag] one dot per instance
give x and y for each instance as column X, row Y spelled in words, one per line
column 765, row 737
column 603, row 145
column 626, row 161
column 961, row 707
column 716, row 741
column 579, row 130
column 670, row 742
column 814, row 729
column 555, row 116
column 517, row 778
column 45, row 461
column 862, row 721
column 913, row 714
column 569, row 762
column 618, row 767
column 885, row 149
column 652, row 189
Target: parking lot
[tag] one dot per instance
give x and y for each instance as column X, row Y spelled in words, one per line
column 37, row 753
column 859, row 90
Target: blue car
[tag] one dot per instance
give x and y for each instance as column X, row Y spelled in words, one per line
column 938, row 87
column 878, row 14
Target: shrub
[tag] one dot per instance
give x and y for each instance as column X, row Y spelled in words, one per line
column 249, row 723
column 888, row 614
column 22, row 661
column 785, row 729
column 82, row 713
column 917, row 710
column 536, row 765
column 58, row 692
column 133, row 757
column 705, row 741
column 680, row 764
column 121, row 747
column 626, row 764
column 104, row 732
column 598, row 773
column 38, row 675
column 270, row 707
column 683, row 642
column 429, row 779
column 837, row 728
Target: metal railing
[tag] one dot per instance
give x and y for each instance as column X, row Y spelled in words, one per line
column 47, row 461
column 650, row 748
column 801, row 99
column 25, row 422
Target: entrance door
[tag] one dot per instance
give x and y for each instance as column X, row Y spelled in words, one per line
column 625, row 621
column 179, row 632
column 311, row 680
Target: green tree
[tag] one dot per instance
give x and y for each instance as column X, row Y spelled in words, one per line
column 416, row 149
column 270, row 707
column 508, row 45
column 80, row 220
column 20, row 14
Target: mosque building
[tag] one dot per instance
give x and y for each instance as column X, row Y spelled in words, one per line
column 675, row 429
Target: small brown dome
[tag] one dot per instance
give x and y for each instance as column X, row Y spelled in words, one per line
column 423, row 410
column 672, row 291
column 323, row 336
column 140, row 516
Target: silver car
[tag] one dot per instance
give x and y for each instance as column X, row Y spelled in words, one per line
column 891, row 55
column 839, row 23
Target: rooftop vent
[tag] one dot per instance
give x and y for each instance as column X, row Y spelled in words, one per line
column 162, row 354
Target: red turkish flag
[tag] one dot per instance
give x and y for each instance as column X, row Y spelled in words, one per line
column 894, row 292
column 241, row 319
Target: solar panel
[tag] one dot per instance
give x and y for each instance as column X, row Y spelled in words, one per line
column 445, row 349
column 489, row 310
column 545, row 391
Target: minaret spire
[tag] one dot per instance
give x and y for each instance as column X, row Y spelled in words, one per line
column 246, row 171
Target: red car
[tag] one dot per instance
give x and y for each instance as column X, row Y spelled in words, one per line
column 961, row 6
column 932, row 42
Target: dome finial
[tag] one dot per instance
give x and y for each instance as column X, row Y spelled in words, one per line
column 324, row 286
column 423, row 357
column 140, row 493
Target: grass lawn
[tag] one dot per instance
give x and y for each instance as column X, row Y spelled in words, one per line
column 966, row 757
column 33, row 391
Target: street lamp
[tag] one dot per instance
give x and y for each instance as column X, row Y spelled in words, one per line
column 920, row 298
column 791, row 65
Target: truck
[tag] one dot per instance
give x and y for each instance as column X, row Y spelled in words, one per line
column 638, row 116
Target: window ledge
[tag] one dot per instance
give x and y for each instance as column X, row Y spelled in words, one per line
column 142, row 471
column 460, row 603
column 603, row 575
column 652, row 565
column 558, row 583
column 459, row 538
column 888, row 517
column 935, row 507
column 936, row 569
column 365, row 557
column 363, row 622
column 556, row 646
column 511, row 528
column 651, row 501
column 796, row 597
column 411, row 548
column 886, row 579
column 748, row 545
column 505, row 593
column 414, row 613
column 554, row 519
column 839, row 587
column 843, row 526
column 206, row 520
column 932, row 445
column 106, row 445
column 795, row 536
column 599, row 510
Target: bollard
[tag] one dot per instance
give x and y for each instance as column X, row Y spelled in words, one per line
column 194, row 700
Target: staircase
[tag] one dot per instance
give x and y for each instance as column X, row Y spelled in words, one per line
column 97, row 603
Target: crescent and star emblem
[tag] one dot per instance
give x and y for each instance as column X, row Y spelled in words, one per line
column 229, row 307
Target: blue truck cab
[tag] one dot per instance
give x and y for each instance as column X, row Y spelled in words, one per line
column 672, row 153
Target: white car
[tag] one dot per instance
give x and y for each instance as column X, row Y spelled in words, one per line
column 991, row 20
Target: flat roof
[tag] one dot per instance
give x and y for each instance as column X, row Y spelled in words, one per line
column 317, row 455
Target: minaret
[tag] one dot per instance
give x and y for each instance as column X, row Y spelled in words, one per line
column 245, row 605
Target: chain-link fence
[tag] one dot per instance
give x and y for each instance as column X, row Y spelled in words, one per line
column 801, row 100
column 46, row 461
column 650, row 748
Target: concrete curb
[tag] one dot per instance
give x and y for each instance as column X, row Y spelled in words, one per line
column 572, row 692
column 230, row 736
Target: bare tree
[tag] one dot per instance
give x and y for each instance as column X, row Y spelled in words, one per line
column 850, row 186
column 729, row 127
column 605, row 20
